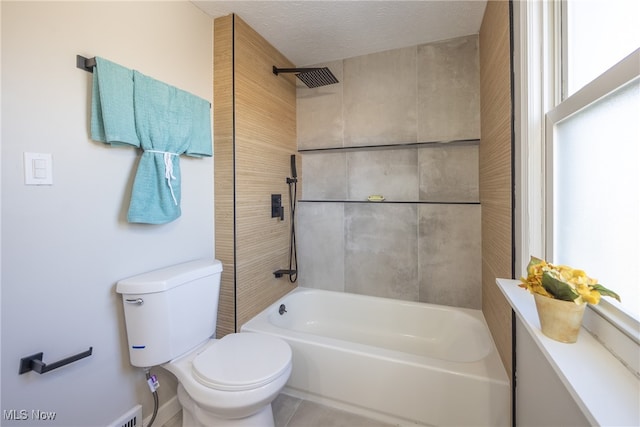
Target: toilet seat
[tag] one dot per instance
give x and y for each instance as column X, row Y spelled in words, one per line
column 242, row 361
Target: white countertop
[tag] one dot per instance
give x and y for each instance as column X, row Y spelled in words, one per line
column 604, row 389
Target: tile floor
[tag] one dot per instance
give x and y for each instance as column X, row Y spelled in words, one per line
column 293, row 412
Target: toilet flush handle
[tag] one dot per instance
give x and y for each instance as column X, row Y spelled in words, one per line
column 137, row 301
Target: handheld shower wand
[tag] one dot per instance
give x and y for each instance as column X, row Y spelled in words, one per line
column 294, row 174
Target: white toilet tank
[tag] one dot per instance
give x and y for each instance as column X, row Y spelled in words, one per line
column 170, row 311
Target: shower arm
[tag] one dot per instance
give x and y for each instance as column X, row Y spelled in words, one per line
column 277, row 70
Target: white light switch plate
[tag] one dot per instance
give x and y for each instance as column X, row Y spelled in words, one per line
column 38, row 169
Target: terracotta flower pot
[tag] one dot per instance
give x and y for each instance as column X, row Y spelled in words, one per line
column 559, row 320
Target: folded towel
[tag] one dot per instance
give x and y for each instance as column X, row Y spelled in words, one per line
column 131, row 108
column 112, row 119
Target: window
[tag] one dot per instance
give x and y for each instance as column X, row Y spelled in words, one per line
column 596, row 35
column 596, row 192
column 577, row 68
column 593, row 139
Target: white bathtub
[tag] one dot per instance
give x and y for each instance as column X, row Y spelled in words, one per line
column 397, row 361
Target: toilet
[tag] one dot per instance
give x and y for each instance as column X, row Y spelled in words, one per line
column 170, row 316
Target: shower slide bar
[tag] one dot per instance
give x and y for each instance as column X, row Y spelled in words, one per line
column 35, row 363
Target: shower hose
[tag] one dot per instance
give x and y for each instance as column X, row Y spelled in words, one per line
column 293, row 256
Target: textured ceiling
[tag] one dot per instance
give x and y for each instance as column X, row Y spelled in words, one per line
column 310, row 32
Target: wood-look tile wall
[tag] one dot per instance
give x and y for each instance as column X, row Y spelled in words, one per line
column 495, row 171
column 223, row 170
column 254, row 137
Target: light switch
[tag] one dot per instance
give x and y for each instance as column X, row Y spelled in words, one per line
column 38, row 169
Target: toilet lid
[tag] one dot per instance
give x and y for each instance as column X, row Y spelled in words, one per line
column 242, row 361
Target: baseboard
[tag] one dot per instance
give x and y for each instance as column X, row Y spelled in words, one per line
column 166, row 411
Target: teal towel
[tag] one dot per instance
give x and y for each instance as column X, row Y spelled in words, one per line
column 167, row 122
column 112, row 119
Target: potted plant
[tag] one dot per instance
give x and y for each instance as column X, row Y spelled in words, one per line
column 561, row 294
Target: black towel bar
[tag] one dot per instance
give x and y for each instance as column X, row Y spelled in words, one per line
column 34, row 362
column 87, row 64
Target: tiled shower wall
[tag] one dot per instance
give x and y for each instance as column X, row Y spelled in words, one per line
column 404, row 124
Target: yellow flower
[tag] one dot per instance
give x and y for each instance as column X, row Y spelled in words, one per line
column 588, row 295
column 563, row 282
column 533, row 282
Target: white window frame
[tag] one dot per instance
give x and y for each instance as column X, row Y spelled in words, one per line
column 538, row 85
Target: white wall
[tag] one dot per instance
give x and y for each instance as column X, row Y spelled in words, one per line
column 542, row 400
column 65, row 246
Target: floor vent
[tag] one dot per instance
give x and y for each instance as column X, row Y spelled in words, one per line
column 133, row 418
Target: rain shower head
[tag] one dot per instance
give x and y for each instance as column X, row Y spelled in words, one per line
column 312, row 77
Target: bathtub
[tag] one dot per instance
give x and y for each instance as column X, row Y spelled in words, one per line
column 401, row 362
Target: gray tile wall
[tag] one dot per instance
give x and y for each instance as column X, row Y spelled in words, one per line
column 423, row 242
column 380, row 98
column 321, row 245
column 423, row 93
column 449, row 90
column 449, row 255
column 381, row 256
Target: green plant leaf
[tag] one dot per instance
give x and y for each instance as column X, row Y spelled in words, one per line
column 559, row 289
column 532, row 263
column 606, row 292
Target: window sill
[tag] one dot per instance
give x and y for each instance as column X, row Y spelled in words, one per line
column 604, row 389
